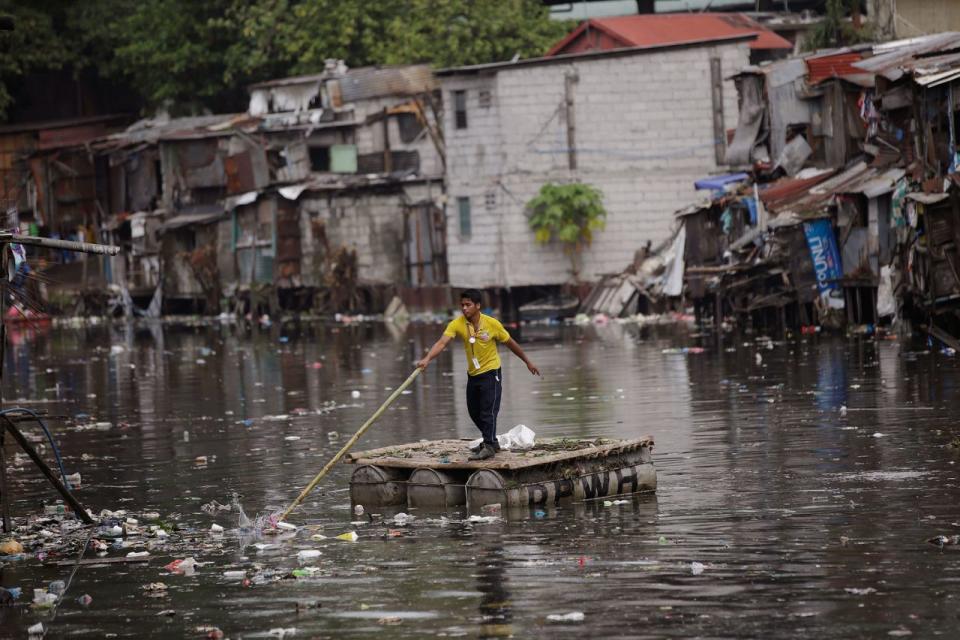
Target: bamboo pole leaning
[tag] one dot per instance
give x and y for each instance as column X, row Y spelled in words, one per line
column 346, row 447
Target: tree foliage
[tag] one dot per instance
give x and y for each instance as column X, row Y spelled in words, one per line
column 192, row 55
column 834, row 30
column 569, row 213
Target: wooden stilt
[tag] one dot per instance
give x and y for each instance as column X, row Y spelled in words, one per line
column 4, row 494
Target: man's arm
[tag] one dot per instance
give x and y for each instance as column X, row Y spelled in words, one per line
column 517, row 351
column 435, row 350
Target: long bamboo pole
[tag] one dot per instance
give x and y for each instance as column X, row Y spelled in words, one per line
column 352, row 441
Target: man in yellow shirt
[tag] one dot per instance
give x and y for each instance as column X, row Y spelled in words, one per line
column 480, row 334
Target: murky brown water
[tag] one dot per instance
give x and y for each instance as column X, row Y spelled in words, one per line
column 809, row 523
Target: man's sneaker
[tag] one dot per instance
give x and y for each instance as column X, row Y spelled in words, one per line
column 486, row 451
column 476, row 449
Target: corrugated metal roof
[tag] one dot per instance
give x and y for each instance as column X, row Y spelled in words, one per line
column 493, row 67
column 374, row 82
column 202, row 214
column 59, row 124
column 809, row 198
column 367, row 82
column 151, row 130
column 787, row 189
column 819, row 68
column 662, row 29
column 894, row 59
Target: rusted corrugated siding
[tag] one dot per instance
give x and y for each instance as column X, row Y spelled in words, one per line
column 839, row 65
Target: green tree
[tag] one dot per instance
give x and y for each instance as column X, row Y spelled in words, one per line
column 834, row 30
column 32, row 46
column 283, row 36
column 194, row 55
column 569, row 213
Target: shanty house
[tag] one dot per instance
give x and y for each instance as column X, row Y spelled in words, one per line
column 652, row 30
column 49, row 188
column 357, row 201
column 331, row 184
column 641, row 124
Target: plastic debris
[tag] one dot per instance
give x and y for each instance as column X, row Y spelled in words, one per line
column 519, row 438
column 307, row 555
column 57, row 587
column 483, row 519
column 350, row 536
column 943, row 540
column 185, row 566
column 403, row 519
column 696, row 568
column 358, row 510
column 280, row 632
column 213, row 507
column 215, row 528
column 10, row 547
column 36, row 630
column 138, row 554
column 354, row 394
column 7, row 596
column 573, row 616
column 85, row 600
column 43, row 598
column 234, row 575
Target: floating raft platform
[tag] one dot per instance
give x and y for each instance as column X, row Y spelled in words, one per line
column 436, row 473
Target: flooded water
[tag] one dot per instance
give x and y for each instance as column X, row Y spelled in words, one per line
column 806, row 519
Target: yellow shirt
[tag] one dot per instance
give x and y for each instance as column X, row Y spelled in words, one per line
column 484, row 348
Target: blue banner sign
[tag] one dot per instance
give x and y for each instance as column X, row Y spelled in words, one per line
column 826, row 260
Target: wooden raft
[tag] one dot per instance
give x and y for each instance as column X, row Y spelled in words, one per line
column 437, row 473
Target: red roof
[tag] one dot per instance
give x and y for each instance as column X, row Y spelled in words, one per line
column 820, row 68
column 664, row 29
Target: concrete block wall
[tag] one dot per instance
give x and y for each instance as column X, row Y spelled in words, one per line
column 644, row 134
column 370, row 222
column 476, row 150
column 920, row 17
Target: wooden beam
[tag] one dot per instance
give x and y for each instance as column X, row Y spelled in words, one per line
column 78, row 508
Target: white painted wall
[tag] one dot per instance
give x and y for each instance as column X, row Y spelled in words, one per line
column 644, row 134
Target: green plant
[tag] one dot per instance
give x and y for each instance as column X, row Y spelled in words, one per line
column 570, row 213
column 834, row 30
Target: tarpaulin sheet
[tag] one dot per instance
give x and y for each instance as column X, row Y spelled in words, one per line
column 826, row 260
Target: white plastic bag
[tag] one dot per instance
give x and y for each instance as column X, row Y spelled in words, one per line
column 520, row 438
